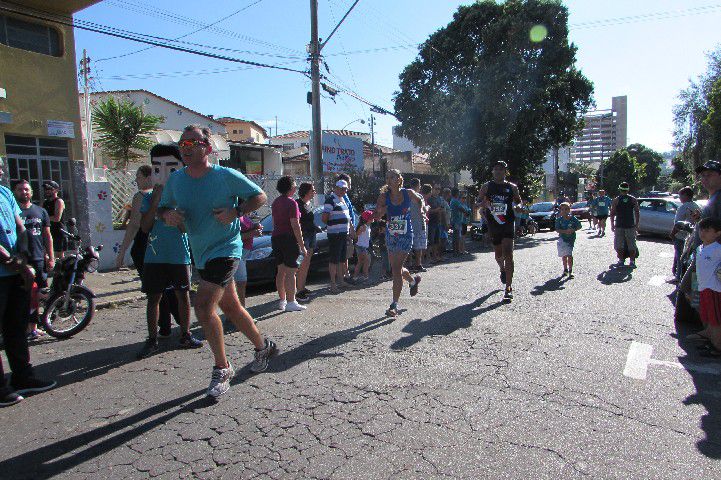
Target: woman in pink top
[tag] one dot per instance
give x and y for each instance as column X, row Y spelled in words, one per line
column 287, row 243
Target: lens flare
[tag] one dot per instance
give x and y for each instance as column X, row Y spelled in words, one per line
column 538, row 33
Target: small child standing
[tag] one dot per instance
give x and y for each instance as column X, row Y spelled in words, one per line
column 363, row 242
column 708, row 261
column 566, row 226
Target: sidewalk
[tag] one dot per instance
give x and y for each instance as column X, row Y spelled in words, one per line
column 114, row 287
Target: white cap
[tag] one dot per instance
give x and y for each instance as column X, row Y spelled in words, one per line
column 341, row 184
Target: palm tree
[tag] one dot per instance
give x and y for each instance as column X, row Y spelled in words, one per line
column 122, row 130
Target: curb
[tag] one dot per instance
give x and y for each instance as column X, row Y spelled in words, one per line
column 119, row 302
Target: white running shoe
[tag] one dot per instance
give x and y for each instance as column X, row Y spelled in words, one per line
column 260, row 362
column 220, row 381
column 294, row 307
column 281, row 305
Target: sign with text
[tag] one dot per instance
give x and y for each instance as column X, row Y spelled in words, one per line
column 342, row 154
column 57, row 128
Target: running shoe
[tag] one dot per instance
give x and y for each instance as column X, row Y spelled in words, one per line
column 149, row 348
column 508, row 296
column 392, row 310
column 260, row 363
column 220, row 381
column 9, row 397
column 35, row 335
column 281, row 305
column 571, row 275
column 189, row 341
column 303, row 296
column 565, row 272
column 31, row 385
column 294, row 307
column 414, row 287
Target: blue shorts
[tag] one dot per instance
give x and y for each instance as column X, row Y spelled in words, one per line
column 361, row 250
column 399, row 243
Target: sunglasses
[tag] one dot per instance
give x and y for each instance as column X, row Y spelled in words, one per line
column 191, row 143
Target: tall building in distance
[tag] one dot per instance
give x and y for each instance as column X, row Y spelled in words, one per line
column 605, row 132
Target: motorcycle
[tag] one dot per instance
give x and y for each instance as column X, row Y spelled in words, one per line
column 70, row 305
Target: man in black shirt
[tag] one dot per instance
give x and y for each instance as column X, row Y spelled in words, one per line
column 624, row 224
column 40, row 243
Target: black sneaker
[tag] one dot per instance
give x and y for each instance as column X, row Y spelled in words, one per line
column 508, row 296
column 565, row 272
column 302, row 296
column 31, row 385
column 189, row 341
column 150, row 347
column 414, row 288
column 8, row 397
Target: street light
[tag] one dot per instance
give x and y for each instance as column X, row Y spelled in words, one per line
column 356, row 120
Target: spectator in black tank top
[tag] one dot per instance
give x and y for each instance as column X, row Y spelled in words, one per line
column 55, row 206
column 306, row 192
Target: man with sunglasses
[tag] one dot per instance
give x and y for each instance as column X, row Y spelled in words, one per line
column 204, row 198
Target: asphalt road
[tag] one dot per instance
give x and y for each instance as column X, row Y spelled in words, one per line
column 574, row 379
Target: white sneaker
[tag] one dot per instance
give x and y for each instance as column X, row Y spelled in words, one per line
column 220, row 381
column 281, row 305
column 294, row 307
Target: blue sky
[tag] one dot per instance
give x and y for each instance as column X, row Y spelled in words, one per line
column 649, row 56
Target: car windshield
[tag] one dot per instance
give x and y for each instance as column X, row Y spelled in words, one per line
column 579, row 205
column 542, row 207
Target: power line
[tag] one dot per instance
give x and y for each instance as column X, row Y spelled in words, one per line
column 181, row 73
column 136, row 37
column 187, row 34
column 646, row 17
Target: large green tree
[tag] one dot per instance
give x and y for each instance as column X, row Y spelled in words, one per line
column 499, row 82
column 123, row 130
column 618, row 168
column 712, row 122
column 652, row 162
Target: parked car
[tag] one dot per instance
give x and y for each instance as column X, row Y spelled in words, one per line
column 657, row 214
column 544, row 215
column 580, row 210
column 261, row 263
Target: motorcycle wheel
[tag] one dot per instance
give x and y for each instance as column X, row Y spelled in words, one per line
column 64, row 321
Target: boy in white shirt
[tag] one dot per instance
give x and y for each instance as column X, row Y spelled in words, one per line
column 708, row 270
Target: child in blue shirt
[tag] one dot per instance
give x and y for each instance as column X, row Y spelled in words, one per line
column 566, row 227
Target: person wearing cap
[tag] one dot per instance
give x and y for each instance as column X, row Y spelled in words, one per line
column 624, row 224
column 336, row 215
column 55, row 206
column 497, row 198
column 351, row 228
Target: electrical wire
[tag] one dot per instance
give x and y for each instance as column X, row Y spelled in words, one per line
column 181, row 73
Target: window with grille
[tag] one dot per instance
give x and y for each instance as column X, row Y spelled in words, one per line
column 33, row 37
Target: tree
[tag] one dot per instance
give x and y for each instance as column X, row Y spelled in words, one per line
column 652, row 161
column 618, row 168
column 499, row 82
column 123, row 128
column 712, row 122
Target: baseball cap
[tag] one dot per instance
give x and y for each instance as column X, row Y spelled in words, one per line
column 341, row 184
column 710, row 165
column 623, row 186
column 51, row 184
column 367, row 215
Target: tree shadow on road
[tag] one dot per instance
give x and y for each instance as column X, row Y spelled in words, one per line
column 705, row 375
column 446, row 322
column 615, row 274
column 53, row 459
column 552, row 285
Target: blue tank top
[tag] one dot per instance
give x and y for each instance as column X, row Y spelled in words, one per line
column 399, row 216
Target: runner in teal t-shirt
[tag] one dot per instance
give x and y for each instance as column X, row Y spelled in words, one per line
column 566, row 226
column 165, row 244
column 603, row 207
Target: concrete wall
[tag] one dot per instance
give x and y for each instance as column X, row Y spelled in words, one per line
column 101, row 225
column 247, row 132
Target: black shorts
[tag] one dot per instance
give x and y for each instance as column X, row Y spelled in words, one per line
column 41, row 276
column 59, row 240
column 500, row 232
column 310, row 240
column 219, row 271
column 464, row 229
column 157, row 277
column 337, row 247
column 285, row 250
column 601, row 217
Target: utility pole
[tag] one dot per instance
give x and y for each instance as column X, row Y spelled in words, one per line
column 316, row 152
column 373, row 142
column 85, row 70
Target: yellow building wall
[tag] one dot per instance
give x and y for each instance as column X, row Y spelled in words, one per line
column 248, row 131
column 40, row 88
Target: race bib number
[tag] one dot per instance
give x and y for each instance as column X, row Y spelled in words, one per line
column 498, row 208
column 397, row 226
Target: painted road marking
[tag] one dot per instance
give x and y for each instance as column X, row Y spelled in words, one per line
column 657, row 280
column 639, row 358
column 666, row 255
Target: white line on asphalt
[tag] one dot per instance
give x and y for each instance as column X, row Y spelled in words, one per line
column 666, row 254
column 657, row 280
column 639, row 356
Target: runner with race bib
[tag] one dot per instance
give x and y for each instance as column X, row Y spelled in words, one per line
column 395, row 202
column 498, row 198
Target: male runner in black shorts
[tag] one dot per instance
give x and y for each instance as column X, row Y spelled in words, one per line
column 497, row 198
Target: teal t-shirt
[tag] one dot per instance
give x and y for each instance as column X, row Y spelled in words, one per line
column 565, row 224
column 458, row 209
column 9, row 209
column 603, row 205
column 221, row 187
column 165, row 244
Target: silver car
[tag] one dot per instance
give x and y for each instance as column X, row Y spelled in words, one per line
column 657, row 214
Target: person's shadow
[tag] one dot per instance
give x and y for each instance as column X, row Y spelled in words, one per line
column 615, row 274
column 552, row 285
column 445, row 323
